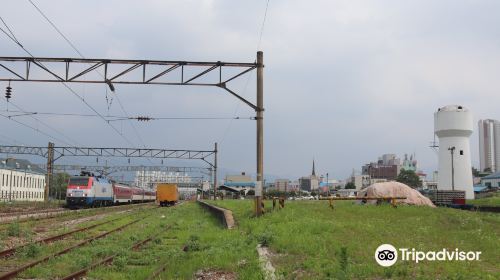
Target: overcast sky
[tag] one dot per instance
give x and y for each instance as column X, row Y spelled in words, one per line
column 345, row 81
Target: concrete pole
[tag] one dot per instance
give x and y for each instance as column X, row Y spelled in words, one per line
column 50, row 162
column 215, row 172
column 260, row 132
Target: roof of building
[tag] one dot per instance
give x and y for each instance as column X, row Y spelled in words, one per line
column 20, row 165
column 492, row 176
column 239, row 184
column 226, row 188
column 479, row 188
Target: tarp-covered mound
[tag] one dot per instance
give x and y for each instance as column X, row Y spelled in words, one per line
column 395, row 189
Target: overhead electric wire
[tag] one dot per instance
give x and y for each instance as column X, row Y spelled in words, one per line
column 12, row 36
column 74, row 92
column 11, row 140
column 35, row 129
column 235, row 112
column 57, row 29
column 248, row 80
column 82, row 56
column 115, row 118
column 43, row 123
column 263, row 24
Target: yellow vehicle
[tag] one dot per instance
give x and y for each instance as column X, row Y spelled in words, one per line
column 167, row 194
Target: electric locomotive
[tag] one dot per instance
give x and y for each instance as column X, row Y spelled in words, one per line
column 89, row 190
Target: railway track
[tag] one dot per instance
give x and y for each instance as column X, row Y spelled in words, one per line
column 79, row 274
column 22, row 211
column 157, row 272
column 11, row 251
column 26, row 216
column 13, row 273
column 49, row 215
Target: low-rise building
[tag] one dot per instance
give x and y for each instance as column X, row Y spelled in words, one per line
column 21, row 181
column 238, row 183
column 293, row 186
column 360, row 181
column 282, row 185
column 492, row 180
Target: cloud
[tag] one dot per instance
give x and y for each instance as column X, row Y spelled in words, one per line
column 345, row 81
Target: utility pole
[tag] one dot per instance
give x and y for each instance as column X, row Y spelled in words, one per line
column 50, row 162
column 260, row 133
column 215, row 172
column 327, row 186
column 452, row 150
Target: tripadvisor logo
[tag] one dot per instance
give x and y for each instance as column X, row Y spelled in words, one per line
column 387, row 255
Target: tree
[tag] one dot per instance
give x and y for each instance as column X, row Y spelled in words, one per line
column 350, row 185
column 410, row 178
column 58, row 185
column 475, row 172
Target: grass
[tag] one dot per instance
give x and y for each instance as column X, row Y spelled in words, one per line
column 308, row 240
column 191, row 240
column 487, row 201
column 312, row 241
column 27, row 230
column 186, row 238
column 13, row 206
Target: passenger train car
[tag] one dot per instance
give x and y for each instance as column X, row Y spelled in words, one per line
column 90, row 190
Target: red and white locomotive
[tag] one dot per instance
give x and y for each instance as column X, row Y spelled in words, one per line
column 90, row 190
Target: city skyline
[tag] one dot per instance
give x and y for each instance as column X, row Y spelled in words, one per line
column 372, row 92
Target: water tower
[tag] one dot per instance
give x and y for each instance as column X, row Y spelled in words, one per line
column 453, row 126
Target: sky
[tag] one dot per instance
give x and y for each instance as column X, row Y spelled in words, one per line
column 344, row 81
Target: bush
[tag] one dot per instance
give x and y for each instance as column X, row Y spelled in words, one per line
column 193, row 244
column 13, row 229
column 265, row 238
column 31, row 250
column 120, row 262
column 343, row 259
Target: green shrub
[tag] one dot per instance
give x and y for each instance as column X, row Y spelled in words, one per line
column 265, row 238
column 120, row 262
column 13, row 229
column 193, row 244
column 31, row 250
column 344, row 259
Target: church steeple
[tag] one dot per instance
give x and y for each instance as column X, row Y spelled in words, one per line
column 314, row 170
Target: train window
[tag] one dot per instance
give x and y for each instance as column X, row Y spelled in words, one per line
column 461, row 152
column 79, row 181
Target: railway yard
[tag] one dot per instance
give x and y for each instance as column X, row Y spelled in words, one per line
column 185, row 241
column 111, row 243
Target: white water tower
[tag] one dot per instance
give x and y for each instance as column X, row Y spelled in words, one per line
column 453, row 126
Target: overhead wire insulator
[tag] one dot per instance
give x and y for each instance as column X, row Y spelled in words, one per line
column 8, row 92
column 143, row 118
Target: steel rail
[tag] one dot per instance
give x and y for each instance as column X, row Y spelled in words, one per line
column 11, row 251
column 136, row 246
column 107, row 260
column 157, row 272
column 26, row 216
column 27, row 219
column 17, row 213
column 13, row 273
